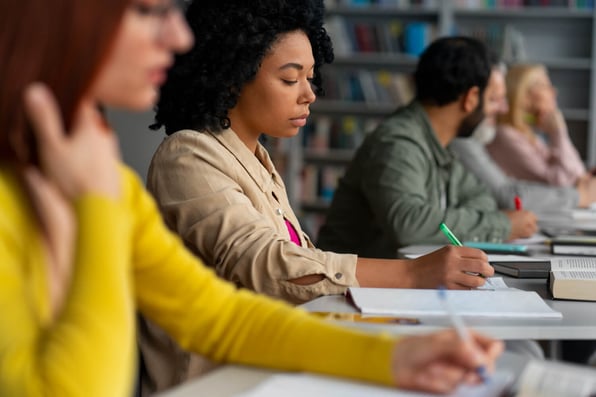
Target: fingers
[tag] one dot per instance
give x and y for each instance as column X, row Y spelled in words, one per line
column 466, row 281
column 44, row 114
column 440, row 378
column 440, row 361
column 463, row 252
column 450, row 266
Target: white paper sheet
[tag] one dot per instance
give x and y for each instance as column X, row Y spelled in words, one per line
column 306, row 385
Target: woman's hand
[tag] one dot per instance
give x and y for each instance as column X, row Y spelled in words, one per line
column 58, row 222
column 552, row 123
column 452, row 267
column 441, row 361
column 84, row 160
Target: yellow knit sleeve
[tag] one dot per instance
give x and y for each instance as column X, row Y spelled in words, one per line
column 88, row 349
column 209, row 316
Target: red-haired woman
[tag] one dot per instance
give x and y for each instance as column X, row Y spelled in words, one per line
column 82, row 246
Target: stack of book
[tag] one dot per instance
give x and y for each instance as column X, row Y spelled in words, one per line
column 573, row 245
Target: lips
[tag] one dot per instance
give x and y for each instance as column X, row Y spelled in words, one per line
column 159, row 74
column 299, row 121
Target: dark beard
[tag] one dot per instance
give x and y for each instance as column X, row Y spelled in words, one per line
column 469, row 124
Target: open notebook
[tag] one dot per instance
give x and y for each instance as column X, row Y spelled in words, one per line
column 426, row 302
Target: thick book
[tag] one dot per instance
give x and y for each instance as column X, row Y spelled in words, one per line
column 573, row 245
column 573, row 278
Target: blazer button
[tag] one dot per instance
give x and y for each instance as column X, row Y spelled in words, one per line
column 338, row 276
column 279, row 211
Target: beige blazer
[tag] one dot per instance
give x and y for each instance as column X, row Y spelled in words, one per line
column 229, row 206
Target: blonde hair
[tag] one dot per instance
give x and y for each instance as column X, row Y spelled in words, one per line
column 519, row 79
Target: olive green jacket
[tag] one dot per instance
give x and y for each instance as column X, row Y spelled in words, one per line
column 400, row 186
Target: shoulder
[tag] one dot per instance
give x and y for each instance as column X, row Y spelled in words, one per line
column 508, row 132
column 184, row 142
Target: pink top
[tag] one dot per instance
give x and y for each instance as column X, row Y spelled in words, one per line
column 557, row 163
column 293, row 235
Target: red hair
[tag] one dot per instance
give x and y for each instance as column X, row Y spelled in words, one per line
column 61, row 43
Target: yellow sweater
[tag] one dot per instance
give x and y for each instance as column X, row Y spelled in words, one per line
column 126, row 259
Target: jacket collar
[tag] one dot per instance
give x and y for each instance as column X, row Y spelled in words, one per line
column 258, row 165
column 442, row 156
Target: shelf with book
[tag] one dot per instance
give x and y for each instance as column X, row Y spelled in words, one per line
column 372, row 47
column 560, row 38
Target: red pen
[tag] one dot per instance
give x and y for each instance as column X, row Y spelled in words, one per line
column 518, row 203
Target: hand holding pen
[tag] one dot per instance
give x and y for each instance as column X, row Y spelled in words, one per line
column 471, row 272
column 441, row 361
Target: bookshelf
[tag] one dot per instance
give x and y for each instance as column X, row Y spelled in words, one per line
column 376, row 52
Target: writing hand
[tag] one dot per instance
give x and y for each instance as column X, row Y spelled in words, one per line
column 441, row 361
column 451, row 266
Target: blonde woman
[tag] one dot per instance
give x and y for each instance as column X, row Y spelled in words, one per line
column 532, row 141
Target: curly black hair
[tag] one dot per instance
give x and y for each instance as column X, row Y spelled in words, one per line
column 232, row 38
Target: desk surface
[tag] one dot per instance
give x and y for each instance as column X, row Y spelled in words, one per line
column 578, row 322
column 231, row 380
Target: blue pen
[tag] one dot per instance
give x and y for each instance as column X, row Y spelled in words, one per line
column 460, row 328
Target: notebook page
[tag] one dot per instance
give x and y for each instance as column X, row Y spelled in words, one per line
column 305, row 385
column 426, row 302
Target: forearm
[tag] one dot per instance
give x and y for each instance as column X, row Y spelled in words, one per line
column 419, row 224
column 208, row 316
column 383, row 273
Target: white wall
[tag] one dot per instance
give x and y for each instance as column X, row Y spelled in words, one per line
column 137, row 141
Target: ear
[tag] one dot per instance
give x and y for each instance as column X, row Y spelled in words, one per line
column 470, row 99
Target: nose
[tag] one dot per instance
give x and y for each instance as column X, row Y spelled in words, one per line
column 308, row 94
column 176, row 34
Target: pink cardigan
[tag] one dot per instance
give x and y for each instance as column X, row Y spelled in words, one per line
column 557, row 163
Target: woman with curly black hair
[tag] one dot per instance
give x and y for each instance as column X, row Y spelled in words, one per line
column 256, row 70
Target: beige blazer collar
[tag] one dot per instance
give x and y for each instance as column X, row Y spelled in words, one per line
column 258, row 165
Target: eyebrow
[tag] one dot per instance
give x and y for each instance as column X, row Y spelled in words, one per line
column 292, row 65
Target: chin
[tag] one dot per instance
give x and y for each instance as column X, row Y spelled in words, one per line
column 136, row 103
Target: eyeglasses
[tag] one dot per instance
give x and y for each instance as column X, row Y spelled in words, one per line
column 160, row 11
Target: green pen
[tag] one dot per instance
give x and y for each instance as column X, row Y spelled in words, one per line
column 452, row 239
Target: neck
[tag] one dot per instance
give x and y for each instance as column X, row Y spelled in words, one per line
column 445, row 121
column 243, row 132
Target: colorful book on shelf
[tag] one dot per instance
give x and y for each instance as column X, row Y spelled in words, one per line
column 573, row 278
